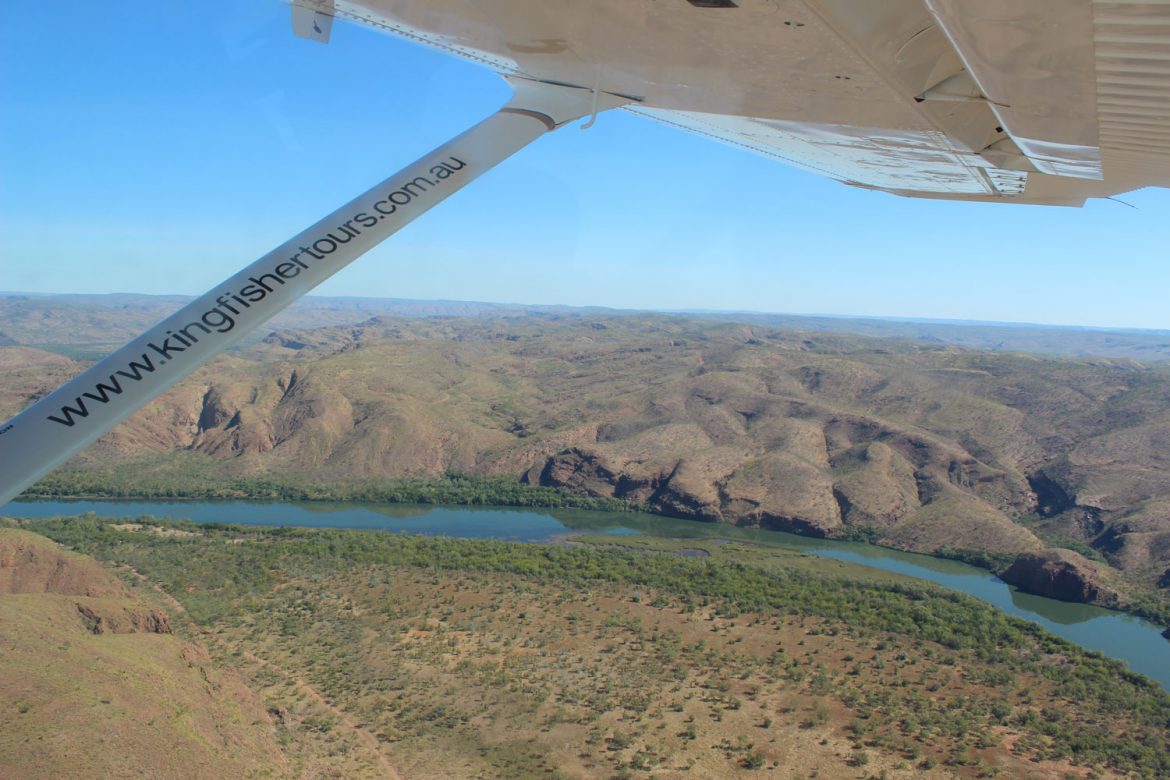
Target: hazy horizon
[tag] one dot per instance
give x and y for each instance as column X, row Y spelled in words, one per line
column 893, row 318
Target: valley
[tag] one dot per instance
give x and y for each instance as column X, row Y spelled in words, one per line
column 986, row 456
column 285, row 652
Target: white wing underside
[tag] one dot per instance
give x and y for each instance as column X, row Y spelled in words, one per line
column 1030, row 101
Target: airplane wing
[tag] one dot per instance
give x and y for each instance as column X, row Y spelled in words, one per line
column 1024, row 101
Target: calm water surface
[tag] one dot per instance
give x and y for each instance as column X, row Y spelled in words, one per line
column 1126, row 638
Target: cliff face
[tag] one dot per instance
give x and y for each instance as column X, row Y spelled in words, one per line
column 117, row 619
column 1060, row 574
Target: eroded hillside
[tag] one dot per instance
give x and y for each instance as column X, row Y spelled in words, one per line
column 920, row 446
column 95, row 683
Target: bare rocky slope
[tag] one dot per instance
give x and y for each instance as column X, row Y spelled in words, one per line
column 917, row 445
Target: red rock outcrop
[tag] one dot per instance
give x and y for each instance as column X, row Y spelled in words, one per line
column 101, row 620
column 1060, row 574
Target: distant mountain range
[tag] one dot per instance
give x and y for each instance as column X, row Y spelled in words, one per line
column 85, row 325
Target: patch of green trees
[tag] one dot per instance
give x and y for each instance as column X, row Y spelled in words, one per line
column 222, row 572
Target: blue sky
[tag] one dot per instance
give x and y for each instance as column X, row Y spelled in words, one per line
column 159, row 147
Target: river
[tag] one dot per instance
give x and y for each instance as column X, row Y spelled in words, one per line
column 1135, row 641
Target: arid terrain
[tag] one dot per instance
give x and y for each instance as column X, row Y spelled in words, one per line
column 323, row 654
column 916, row 444
column 95, row 682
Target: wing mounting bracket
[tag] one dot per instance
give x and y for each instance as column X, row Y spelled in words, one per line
column 313, row 19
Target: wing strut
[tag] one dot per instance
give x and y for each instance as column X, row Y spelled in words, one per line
column 62, row 423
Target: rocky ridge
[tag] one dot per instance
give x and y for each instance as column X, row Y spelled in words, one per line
column 32, row 564
column 923, row 447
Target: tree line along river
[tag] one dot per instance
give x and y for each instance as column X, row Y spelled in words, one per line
column 1137, row 642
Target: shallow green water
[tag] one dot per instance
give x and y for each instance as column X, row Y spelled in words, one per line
column 1126, row 638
